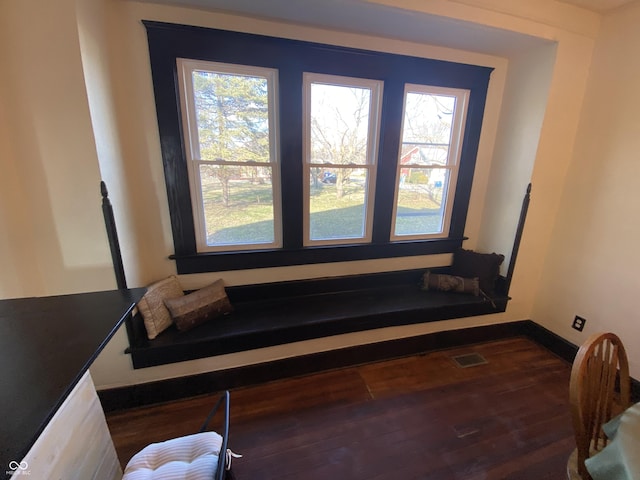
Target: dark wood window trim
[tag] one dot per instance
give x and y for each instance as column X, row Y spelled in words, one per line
column 167, row 42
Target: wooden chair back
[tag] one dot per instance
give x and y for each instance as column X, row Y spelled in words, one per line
column 598, row 390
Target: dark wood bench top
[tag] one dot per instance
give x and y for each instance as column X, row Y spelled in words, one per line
column 285, row 312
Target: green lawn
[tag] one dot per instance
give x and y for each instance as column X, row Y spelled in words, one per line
column 249, row 216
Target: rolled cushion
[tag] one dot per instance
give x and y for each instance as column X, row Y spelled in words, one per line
column 484, row 266
column 194, row 457
column 154, row 312
column 450, row 283
column 200, row 306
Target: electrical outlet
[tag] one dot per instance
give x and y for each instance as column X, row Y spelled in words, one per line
column 578, row 323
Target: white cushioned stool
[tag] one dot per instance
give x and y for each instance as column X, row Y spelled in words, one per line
column 194, row 457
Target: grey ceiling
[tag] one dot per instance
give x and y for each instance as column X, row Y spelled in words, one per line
column 368, row 18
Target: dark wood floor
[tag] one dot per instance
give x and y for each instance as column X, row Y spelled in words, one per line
column 418, row 417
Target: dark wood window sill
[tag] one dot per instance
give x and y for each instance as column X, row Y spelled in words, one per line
column 218, row 262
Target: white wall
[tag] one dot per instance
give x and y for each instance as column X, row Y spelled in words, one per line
column 593, row 262
column 54, row 230
column 524, row 107
column 16, row 236
column 102, row 83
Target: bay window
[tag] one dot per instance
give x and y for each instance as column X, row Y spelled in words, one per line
column 282, row 152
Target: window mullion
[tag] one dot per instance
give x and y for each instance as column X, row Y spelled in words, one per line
column 291, row 148
column 391, row 113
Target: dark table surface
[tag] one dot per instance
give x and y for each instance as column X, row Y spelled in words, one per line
column 46, row 345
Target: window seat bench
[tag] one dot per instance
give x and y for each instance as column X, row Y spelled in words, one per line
column 284, row 312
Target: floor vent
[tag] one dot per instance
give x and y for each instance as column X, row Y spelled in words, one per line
column 469, row 360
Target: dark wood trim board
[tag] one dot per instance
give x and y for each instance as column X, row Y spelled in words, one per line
column 188, row 386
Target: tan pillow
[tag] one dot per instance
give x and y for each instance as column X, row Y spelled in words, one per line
column 156, row 316
column 200, row 306
column 450, row 283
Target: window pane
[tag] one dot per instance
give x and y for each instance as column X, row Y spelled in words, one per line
column 421, row 200
column 237, row 204
column 339, row 124
column 229, row 114
column 232, row 116
column 337, row 203
column 426, row 134
column 428, row 162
